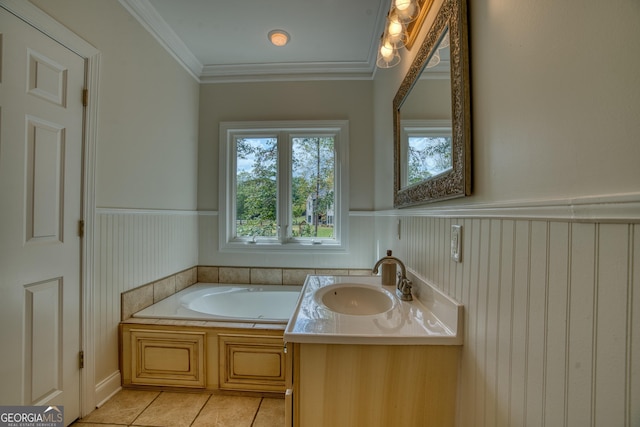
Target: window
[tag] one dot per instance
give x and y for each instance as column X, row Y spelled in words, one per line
column 426, row 150
column 283, row 185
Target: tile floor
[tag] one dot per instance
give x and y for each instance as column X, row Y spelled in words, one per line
column 174, row 409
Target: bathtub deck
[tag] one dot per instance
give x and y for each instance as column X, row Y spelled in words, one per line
column 204, row 323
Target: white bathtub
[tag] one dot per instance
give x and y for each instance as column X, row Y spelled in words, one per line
column 227, row 302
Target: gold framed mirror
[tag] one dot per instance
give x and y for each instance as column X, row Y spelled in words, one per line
column 432, row 115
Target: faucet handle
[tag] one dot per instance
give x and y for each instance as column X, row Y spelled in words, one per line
column 404, row 290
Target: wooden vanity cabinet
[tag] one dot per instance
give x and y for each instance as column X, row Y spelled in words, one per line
column 372, row 385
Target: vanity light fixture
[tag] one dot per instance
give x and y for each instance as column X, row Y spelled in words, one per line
column 394, row 37
column 279, row 37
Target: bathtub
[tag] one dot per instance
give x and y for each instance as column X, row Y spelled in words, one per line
column 227, row 302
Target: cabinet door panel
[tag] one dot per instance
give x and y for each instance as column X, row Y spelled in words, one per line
column 168, row 358
column 255, row 363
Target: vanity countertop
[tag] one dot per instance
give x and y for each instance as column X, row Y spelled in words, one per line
column 438, row 322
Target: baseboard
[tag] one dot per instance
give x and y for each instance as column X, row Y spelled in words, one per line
column 106, row 388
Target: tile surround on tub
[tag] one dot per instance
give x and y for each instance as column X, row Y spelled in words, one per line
column 135, row 300
column 164, row 288
column 360, row 272
column 186, row 278
column 239, row 275
column 266, row 276
column 332, row 272
column 143, row 296
column 295, row 276
column 208, row 274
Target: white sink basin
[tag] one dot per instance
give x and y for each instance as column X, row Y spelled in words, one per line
column 355, row 299
column 358, row 310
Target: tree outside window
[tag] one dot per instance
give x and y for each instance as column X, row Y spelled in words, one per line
column 311, row 186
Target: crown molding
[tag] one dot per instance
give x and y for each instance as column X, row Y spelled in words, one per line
column 301, row 71
column 144, row 12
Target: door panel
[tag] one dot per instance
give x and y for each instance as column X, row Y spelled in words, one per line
column 43, row 348
column 44, row 181
column 41, row 122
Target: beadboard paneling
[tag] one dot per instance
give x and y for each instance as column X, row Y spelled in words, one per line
column 133, row 248
column 549, row 316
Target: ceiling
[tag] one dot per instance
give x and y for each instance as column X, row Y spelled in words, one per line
column 226, row 41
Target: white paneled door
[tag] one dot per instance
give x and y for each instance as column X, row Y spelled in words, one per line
column 41, row 127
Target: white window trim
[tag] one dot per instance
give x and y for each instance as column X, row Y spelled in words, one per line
column 226, row 192
column 409, row 128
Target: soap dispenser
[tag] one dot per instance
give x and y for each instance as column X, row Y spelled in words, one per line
column 388, row 272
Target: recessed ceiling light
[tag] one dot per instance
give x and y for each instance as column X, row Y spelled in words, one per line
column 279, row 37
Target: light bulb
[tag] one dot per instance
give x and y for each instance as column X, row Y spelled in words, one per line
column 394, row 29
column 386, row 51
column 278, row 37
column 387, row 55
column 403, row 4
column 407, row 10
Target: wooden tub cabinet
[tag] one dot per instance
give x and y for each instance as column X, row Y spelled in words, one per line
column 203, row 355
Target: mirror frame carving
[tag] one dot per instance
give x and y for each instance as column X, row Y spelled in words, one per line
column 457, row 182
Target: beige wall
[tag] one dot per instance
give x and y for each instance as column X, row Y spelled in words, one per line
column 148, row 112
column 556, row 98
column 555, row 101
column 327, row 100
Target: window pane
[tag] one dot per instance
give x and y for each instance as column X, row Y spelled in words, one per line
column 428, row 156
column 312, row 185
column 256, row 187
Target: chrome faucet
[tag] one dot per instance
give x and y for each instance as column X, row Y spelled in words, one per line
column 403, row 287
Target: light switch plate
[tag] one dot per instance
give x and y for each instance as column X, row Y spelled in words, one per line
column 456, row 243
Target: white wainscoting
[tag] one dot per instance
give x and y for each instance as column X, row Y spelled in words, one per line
column 550, row 304
column 133, row 247
column 551, row 308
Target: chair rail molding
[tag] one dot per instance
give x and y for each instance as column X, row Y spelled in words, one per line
column 604, row 208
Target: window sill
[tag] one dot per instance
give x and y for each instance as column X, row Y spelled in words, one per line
column 246, row 246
